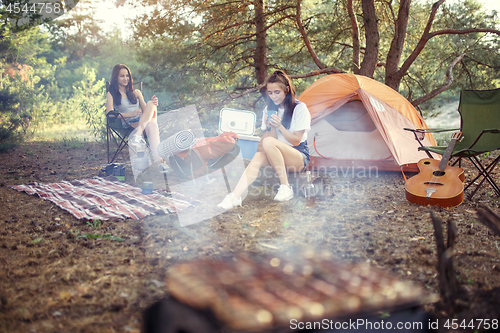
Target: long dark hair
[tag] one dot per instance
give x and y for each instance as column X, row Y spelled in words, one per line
column 284, row 81
column 113, row 86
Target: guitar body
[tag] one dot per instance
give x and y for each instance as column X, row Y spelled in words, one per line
column 446, row 185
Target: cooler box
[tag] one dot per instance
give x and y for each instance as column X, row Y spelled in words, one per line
column 241, row 122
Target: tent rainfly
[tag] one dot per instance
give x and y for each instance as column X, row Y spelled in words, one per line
column 359, row 122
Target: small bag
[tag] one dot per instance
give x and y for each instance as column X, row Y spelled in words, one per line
column 205, row 156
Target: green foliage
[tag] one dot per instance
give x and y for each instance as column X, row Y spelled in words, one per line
column 480, row 64
column 38, row 240
column 202, row 52
column 99, row 236
column 90, row 94
column 73, row 142
column 10, row 121
column 46, row 95
column 96, row 224
column 201, row 57
column 21, row 20
column 18, row 90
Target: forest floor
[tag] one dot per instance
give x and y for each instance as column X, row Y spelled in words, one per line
column 53, row 281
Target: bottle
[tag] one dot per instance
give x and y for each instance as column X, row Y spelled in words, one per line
column 147, row 187
column 309, row 193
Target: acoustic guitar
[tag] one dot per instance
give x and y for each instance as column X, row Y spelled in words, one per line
column 437, row 183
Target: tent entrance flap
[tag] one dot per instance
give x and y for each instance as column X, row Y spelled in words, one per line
column 351, row 117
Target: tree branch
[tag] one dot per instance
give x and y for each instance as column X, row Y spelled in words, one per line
column 238, row 24
column 243, row 93
column 435, row 92
column 247, row 36
column 481, row 63
column 469, row 74
column 421, row 43
column 462, row 32
column 329, row 70
column 428, row 35
column 417, row 82
column 302, row 31
column 228, row 27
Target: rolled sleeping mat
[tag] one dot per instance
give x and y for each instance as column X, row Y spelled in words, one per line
column 178, row 142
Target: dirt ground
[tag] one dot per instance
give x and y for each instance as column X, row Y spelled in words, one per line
column 51, row 280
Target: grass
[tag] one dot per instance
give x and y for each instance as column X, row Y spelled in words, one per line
column 96, row 224
column 99, row 236
column 75, row 132
column 73, row 142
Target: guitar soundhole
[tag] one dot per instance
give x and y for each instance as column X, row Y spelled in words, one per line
column 427, row 162
column 438, row 173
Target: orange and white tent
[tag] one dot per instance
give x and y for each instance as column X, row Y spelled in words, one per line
column 359, row 122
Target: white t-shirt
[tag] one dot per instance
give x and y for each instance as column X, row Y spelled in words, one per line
column 301, row 120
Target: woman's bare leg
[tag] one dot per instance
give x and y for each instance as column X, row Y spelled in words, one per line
column 154, row 138
column 148, row 122
column 250, row 174
column 282, row 157
column 147, row 114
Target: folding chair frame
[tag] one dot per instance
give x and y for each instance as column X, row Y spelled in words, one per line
column 115, row 134
column 470, row 153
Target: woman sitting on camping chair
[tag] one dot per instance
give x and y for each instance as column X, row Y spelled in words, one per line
column 284, row 145
column 134, row 111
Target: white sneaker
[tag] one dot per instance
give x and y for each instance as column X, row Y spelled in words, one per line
column 163, row 168
column 230, row 201
column 285, row 193
column 137, row 143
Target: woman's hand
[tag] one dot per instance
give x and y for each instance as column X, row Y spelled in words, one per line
column 154, row 99
column 137, row 93
column 274, row 121
column 137, row 113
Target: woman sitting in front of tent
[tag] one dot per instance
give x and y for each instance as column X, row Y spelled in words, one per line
column 284, row 147
column 135, row 111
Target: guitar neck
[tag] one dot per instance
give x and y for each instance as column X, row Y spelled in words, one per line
column 447, row 154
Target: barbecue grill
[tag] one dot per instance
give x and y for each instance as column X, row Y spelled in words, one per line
column 275, row 294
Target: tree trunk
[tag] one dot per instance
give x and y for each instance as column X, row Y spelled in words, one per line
column 355, row 37
column 370, row 59
column 260, row 55
column 396, row 77
column 392, row 79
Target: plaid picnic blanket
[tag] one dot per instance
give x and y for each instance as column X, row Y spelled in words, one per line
column 104, row 198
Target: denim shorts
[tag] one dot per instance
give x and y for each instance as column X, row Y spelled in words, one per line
column 130, row 121
column 304, row 150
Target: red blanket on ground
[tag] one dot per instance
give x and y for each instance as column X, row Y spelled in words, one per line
column 104, row 198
